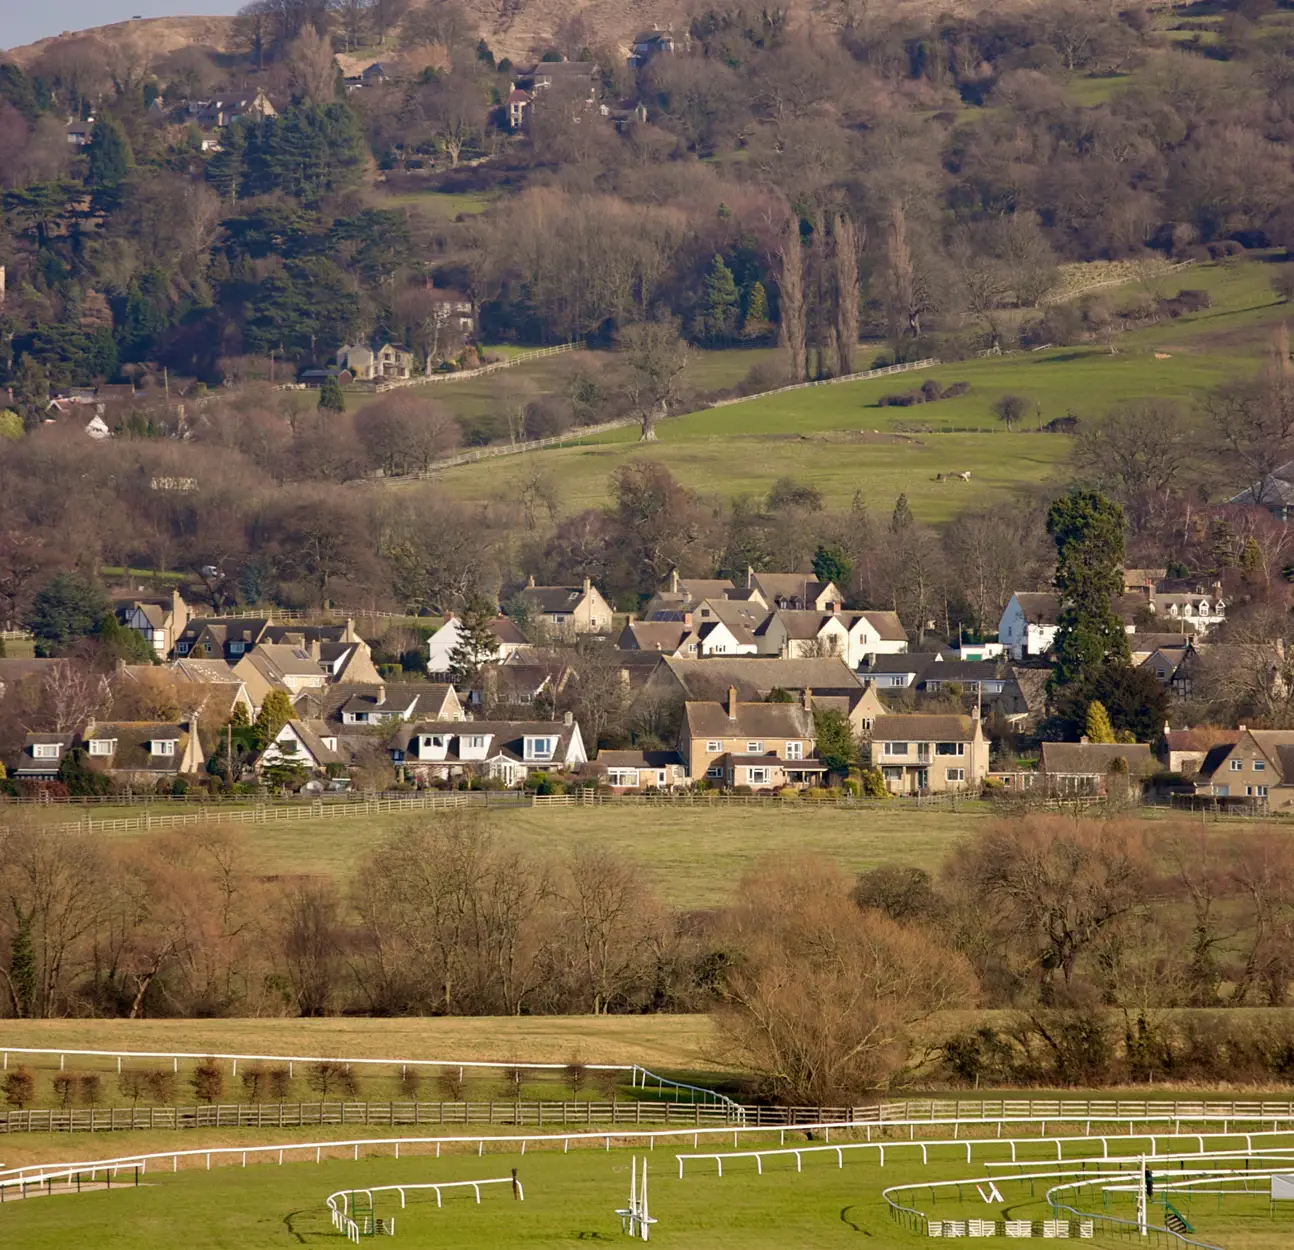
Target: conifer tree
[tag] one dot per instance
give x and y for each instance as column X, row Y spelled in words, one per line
column 756, row 307
column 720, row 300
column 477, row 642
column 1099, row 728
column 331, row 398
column 275, row 712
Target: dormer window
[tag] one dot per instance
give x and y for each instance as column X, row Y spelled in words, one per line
column 162, row 746
column 45, row 750
column 102, row 746
column 236, row 648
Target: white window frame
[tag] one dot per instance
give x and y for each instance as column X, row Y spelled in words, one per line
column 754, row 747
column 102, row 746
column 237, row 648
column 714, row 771
column 954, row 774
column 474, row 742
column 795, row 750
column 542, row 748
column 162, row 746
column 891, row 748
column 1237, row 765
column 1260, row 766
column 45, row 750
column 757, row 776
column 715, row 745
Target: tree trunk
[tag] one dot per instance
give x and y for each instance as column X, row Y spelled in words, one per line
column 847, row 245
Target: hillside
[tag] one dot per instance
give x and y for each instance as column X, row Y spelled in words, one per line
column 513, row 28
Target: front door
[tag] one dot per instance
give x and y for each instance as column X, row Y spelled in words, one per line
column 923, row 778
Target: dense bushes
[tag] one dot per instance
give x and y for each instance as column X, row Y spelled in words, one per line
column 929, row 392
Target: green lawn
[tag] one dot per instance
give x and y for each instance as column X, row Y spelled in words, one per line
column 839, row 439
column 571, row 1199
column 441, row 205
column 695, row 856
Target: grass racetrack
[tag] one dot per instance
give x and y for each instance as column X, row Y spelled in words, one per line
column 570, row 1200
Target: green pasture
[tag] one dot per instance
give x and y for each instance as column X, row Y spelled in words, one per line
column 440, row 206
column 695, row 856
column 571, row 1199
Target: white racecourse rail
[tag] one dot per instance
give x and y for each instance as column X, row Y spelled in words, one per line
column 344, row 1222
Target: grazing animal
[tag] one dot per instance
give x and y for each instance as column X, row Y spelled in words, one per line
column 939, row 477
column 965, row 477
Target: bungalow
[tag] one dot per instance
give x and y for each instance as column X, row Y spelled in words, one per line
column 761, row 745
column 360, row 706
column 506, row 750
column 937, row 753
column 307, row 745
column 569, row 609
column 1086, row 768
column 642, row 770
column 442, row 643
column 144, row 751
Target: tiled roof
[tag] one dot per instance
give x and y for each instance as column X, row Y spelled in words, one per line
column 553, row 598
column 799, row 624
column 1039, row 607
column 133, row 753
column 756, row 676
column 1087, row 759
column 917, row 727
column 752, row 720
column 640, row 759
column 886, row 624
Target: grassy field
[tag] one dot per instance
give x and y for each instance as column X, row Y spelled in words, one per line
column 695, row 856
column 570, row 1199
column 838, row 438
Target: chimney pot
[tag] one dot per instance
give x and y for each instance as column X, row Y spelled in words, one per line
column 530, row 581
column 808, row 699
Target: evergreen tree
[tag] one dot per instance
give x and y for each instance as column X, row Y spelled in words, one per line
column 69, row 606
column 31, row 391
column 110, row 163
column 1099, row 728
column 901, row 518
column 477, row 643
column 837, row 748
column 23, row 977
column 275, row 712
column 120, row 642
column 831, row 564
column 756, row 309
column 331, row 398
column 1088, row 531
column 720, row 300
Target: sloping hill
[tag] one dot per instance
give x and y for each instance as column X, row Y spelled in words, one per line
column 161, row 34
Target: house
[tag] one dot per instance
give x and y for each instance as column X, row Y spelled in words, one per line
column 683, row 593
column 519, row 684
column 754, row 677
column 1275, row 493
column 158, row 687
column 670, row 637
column 42, row 755
column 993, row 686
column 859, row 707
column 308, row 745
column 1085, row 768
column 378, row 73
column 1030, row 623
column 625, row 115
column 144, row 751
column 648, row 44
column 569, row 609
column 227, row 638
column 938, row 753
column 79, row 133
column 285, row 667
column 1185, row 750
column 795, row 591
column 17, row 671
column 1255, row 764
column 1193, row 613
column 160, row 620
column 761, row 745
column 346, row 661
column 797, row 634
column 876, row 633
column 1262, row 663
column 1161, row 654
column 212, row 115
column 518, row 103
column 506, row 750
column 902, row 671
column 357, row 707
column 441, row 644
column 452, row 309
column 367, row 364
column 642, row 770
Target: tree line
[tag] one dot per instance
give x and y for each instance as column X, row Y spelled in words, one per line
column 1090, row 936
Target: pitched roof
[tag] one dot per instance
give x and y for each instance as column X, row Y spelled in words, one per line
column 800, row 624
column 507, row 736
column 658, row 635
column 133, row 738
column 756, row 676
column 311, row 734
column 279, row 660
column 748, row 615
column 920, row 727
column 788, row 586
column 1040, row 607
column 917, row 662
column 553, row 598
column 640, row 759
column 208, row 671
column 506, row 631
column 1089, row 759
column 1202, row 738
column 886, row 624
column 752, row 720
column 17, row 669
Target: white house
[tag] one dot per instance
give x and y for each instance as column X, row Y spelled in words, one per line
column 312, row 746
column 507, row 750
column 442, row 643
column 857, row 637
column 872, row 634
column 1029, row 624
column 1189, row 613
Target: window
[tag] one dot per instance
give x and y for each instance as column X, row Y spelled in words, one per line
column 476, row 741
column 163, row 746
column 1161, row 673
column 1222, row 791
column 757, row 776
column 236, row 648
column 45, row 750
column 1259, row 792
column 1237, row 765
column 754, row 748
column 542, row 747
column 182, row 648
column 714, row 771
column 714, row 745
column 954, row 774
column 622, row 777
column 288, row 747
column 1260, row 766
column 795, row 750
column 950, row 748
column 102, row 746
column 896, row 748
column 868, row 722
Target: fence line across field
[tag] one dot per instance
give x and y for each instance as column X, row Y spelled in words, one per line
column 344, row 1217
column 42, row 1172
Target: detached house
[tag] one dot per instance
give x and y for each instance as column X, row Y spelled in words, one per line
column 795, row 591
column 930, row 753
column 642, row 770
column 144, row 752
column 441, row 644
column 1257, row 764
column 42, row 755
column 367, row 364
column 569, row 609
column 1090, row 767
column 311, row 746
column 161, row 621
column 761, row 745
column 506, row 750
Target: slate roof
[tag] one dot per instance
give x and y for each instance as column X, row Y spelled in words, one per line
column 756, row 676
column 802, row 586
column 657, row 635
column 1039, row 607
column 1202, row 738
column 886, row 624
column 506, row 737
column 20, row 669
column 800, row 624
column 1090, row 759
column 640, row 759
column 132, row 753
column 551, row 599
column 279, row 660
column 27, row 761
column 918, row 727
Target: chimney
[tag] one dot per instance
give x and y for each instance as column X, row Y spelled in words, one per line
column 1242, row 728
column 588, row 585
column 673, row 581
column 808, row 699
column 687, row 619
column 381, row 692
column 530, row 581
column 750, row 578
column 568, row 718
column 732, row 702
column 1083, row 740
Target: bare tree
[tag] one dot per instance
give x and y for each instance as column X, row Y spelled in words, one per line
column 656, row 357
column 311, row 66
column 901, row 287
column 846, row 247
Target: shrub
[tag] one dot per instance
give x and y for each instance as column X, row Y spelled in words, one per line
column 208, row 1081
column 256, row 1079
column 66, row 1087
column 280, row 1082
column 932, row 389
column 1011, row 409
column 577, row 1076
column 906, row 400
column 451, row 1084
column 411, row 1083
column 328, row 1075
column 91, row 1089
column 513, row 1078
column 957, row 388
column 161, row 1085
column 133, row 1085
column 19, row 1087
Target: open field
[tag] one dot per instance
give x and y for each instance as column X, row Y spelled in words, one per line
column 837, row 437
column 571, row 1198
column 695, row 856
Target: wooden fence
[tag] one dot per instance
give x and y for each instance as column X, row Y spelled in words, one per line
column 927, row 363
